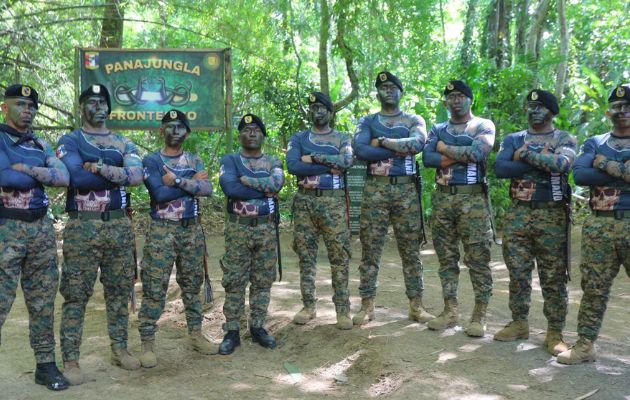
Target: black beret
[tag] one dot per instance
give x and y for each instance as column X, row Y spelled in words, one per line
column 252, row 119
column 386, row 76
column 621, row 92
column 545, row 98
column 459, row 86
column 96, row 90
column 319, row 97
column 22, row 91
column 176, row 115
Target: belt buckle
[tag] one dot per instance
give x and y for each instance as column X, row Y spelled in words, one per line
column 452, row 189
column 105, row 217
column 393, row 180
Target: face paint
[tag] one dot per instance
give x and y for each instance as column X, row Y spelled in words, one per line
column 19, row 113
column 251, row 137
column 458, row 104
column 538, row 114
column 619, row 113
column 319, row 114
column 95, row 110
column 175, row 133
column 389, row 94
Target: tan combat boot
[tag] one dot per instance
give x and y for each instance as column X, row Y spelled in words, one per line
column 124, row 360
column 518, row 329
column 447, row 318
column 201, row 344
column 582, row 351
column 366, row 313
column 72, row 373
column 477, row 326
column 417, row 312
column 304, row 315
column 554, row 343
column 148, row 359
column 343, row 321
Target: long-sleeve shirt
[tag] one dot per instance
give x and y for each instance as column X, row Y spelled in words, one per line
column 405, row 136
column 25, row 189
column 263, row 178
column 542, row 172
column 170, row 202
column 329, row 150
column 122, row 166
column 610, row 183
column 469, row 144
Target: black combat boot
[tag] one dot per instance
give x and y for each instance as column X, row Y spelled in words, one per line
column 260, row 335
column 48, row 375
column 230, row 342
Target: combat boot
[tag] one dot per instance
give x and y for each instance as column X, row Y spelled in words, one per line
column 231, row 341
column 343, row 321
column 124, row 360
column 201, row 344
column 447, row 318
column 48, row 374
column 366, row 313
column 306, row 314
column 518, row 329
column 477, row 326
column 262, row 337
column 417, row 312
column 554, row 343
column 72, row 372
column 582, row 351
column 148, row 359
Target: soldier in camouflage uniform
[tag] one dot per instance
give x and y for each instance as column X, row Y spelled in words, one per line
column 459, row 150
column 28, row 251
column 251, row 182
column 389, row 141
column 174, row 178
column 604, row 165
column 537, row 161
column 98, row 234
column 319, row 157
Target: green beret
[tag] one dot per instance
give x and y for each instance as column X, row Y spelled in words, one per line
column 23, row 92
column 621, row 92
column 176, row 115
column 319, row 97
column 96, row 90
column 386, row 76
column 252, row 119
column 459, row 86
column 545, row 98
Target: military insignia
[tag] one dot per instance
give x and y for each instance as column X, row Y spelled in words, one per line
column 26, row 91
column 173, row 114
column 91, row 60
column 450, row 86
column 96, row 89
column 61, row 151
column 620, row 92
column 312, row 98
column 248, row 119
column 145, row 174
column 383, row 77
column 534, row 96
column 221, row 170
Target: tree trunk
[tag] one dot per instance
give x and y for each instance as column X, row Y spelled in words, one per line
column 521, row 26
column 504, row 53
column 535, row 30
column 489, row 44
column 466, row 50
column 324, row 35
column 112, row 28
column 564, row 49
column 346, row 53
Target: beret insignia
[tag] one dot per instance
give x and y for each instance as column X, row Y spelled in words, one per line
column 248, row 119
column 620, row 92
column 312, row 98
column 26, row 91
column 173, row 114
column 450, row 86
column 534, row 96
column 96, row 89
column 383, row 77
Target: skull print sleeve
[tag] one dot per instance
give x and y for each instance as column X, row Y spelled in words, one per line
column 80, row 178
column 505, row 166
column 584, row 173
column 54, row 173
column 197, row 187
column 362, row 147
column 271, row 184
column 158, row 191
column 296, row 166
column 130, row 174
column 560, row 160
column 231, row 185
column 12, row 178
column 412, row 144
column 430, row 156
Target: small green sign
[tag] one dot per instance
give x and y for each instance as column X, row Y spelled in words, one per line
column 356, row 182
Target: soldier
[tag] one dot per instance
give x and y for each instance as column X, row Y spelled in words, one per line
column 251, row 182
column 459, row 150
column 537, row 161
column 28, row 250
column 389, row 141
column 604, row 165
column 174, row 178
column 98, row 234
column 319, row 158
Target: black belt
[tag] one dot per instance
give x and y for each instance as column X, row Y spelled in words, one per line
column 251, row 221
column 185, row 222
column 538, row 205
column 461, row 189
column 23, row 215
column 392, row 180
column 616, row 214
column 322, row 192
column 103, row 216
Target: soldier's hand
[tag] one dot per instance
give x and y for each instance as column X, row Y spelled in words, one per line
column 90, row 166
column 440, row 146
column 307, row 159
column 546, row 149
column 519, row 152
column 374, row 142
column 21, row 167
column 399, row 154
column 446, row 162
column 200, row 176
column 169, row 177
column 599, row 158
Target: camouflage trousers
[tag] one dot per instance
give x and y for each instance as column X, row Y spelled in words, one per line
column 462, row 217
column 169, row 242
column 325, row 216
column 250, row 257
column 384, row 203
column 90, row 245
column 536, row 238
column 605, row 247
column 28, row 253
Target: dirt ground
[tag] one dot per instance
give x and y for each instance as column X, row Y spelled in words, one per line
column 389, row 357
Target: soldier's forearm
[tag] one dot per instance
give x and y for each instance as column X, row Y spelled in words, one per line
column 124, row 176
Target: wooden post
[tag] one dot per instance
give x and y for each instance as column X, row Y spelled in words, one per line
column 228, row 100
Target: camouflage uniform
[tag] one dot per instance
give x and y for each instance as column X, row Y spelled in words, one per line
column 389, row 196
column 28, row 251
column 175, row 236
column 535, row 225
column 250, row 241
column 98, row 235
column 319, row 208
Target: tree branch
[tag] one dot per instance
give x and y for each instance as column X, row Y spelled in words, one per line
column 346, row 53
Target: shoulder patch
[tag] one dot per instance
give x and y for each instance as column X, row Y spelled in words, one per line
column 145, row 173
column 222, row 170
column 61, row 151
